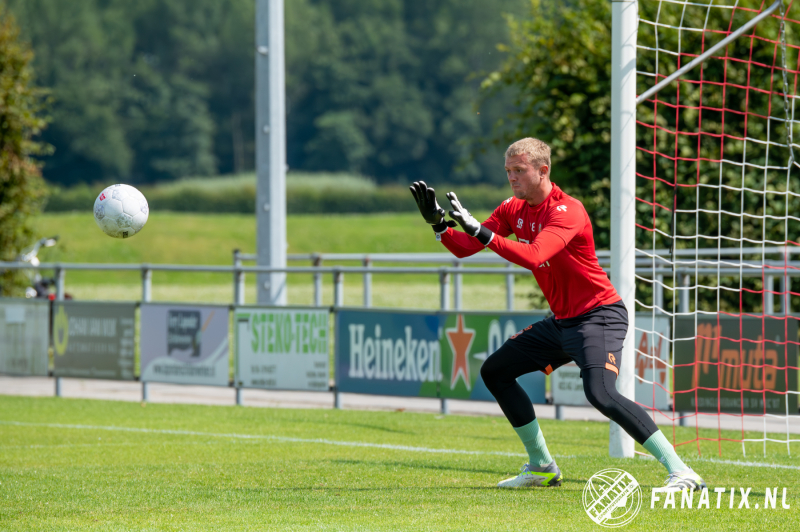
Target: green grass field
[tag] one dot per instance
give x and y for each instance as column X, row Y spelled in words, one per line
column 100, row 465
column 210, row 239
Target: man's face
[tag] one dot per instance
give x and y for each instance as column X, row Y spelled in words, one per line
column 523, row 176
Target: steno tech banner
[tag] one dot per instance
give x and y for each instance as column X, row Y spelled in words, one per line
column 421, row 354
column 93, row 340
column 282, row 349
column 184, row 344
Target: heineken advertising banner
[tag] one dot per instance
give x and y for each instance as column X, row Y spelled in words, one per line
column 421, row 354
column 184, row 344
column 732, row 365
column 93, row 340
column 388, row 353
column 285, row 349
column 651, row 358
column 24, row 336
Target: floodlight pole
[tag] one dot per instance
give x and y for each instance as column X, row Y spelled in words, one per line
column 624, row 18
column 270, row 151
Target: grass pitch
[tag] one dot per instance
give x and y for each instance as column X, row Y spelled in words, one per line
column 100, row 465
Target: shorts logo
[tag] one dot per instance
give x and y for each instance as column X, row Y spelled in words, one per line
column 611, row 365
column 528, row 328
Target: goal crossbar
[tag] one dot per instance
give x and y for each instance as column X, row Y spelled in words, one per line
column 708, row 53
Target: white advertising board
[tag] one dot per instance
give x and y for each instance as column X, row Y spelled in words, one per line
column 185, row 344
column 282, row 349
column 24, row 336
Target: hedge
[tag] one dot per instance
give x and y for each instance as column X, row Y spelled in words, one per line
column 299, row 200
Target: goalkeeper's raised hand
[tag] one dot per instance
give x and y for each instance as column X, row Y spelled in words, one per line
column 429, row 207
column 468, row 223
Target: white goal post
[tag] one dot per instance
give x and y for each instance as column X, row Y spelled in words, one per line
column 718, row 227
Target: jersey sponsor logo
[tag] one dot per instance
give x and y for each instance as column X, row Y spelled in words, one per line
column 533, row 226
column 561, row 208
column 519, row 223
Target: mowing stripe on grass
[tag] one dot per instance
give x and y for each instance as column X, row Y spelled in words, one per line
column 270, row 438
column 321, row 441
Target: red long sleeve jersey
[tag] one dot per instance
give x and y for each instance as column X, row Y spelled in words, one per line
column 555, row 242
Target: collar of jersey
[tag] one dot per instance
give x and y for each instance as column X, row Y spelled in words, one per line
column 546, row 200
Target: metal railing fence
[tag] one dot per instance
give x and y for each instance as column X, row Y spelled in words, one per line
column 452, row 270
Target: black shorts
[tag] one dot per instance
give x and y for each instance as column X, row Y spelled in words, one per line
column 591, row 340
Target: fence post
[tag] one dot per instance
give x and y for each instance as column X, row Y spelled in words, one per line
column 683, row 306
column 444, row 290
column 147, row 284
column 58, row 386
column 444, row 304
column 338, row 288
column 560, row 412
column 337, row 398
column 239, row 398
column 145, row 392
column 658, row 292
column 769, row 295
column 60, row 275
column 317, row 263
column 238, row 279
column 367, row 283
column 786, row 285
column 458, row 292
column 510, row 288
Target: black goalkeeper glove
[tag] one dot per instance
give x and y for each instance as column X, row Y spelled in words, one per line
column 468, row 223
column 429, row 207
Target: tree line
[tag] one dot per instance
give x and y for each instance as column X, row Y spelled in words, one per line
column 159, row 89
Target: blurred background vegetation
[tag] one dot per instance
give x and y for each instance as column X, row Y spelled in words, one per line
column 158, row 90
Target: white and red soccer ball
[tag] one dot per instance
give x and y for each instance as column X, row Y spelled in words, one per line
column 121, row 211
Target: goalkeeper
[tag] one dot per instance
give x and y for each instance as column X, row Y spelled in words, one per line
column 589, row 322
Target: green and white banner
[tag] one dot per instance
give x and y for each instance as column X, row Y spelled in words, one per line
column 425, row 354
column 184, row 344
column 94, row 340
column 24, row 335
column 284, row 349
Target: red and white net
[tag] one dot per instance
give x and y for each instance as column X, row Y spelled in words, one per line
column 718, row 225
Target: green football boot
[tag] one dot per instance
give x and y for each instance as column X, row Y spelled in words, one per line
column 544, row 476
column 684, row 480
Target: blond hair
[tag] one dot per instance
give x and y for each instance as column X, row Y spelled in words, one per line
column 537, row 151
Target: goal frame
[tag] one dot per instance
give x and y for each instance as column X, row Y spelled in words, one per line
column 624, row 28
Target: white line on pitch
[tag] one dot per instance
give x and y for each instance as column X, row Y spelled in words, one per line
column 270, row 438
column 744, row 464
column 342, row 443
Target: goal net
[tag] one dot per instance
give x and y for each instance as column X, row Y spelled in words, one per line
column 718, row 225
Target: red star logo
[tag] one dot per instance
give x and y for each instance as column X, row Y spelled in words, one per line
column 460, row 340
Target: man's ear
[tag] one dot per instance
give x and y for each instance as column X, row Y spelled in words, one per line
column 544, row 170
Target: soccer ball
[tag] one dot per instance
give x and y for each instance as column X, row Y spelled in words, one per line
column 120, row 211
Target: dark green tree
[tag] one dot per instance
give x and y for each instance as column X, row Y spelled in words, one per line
column 21, row 121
